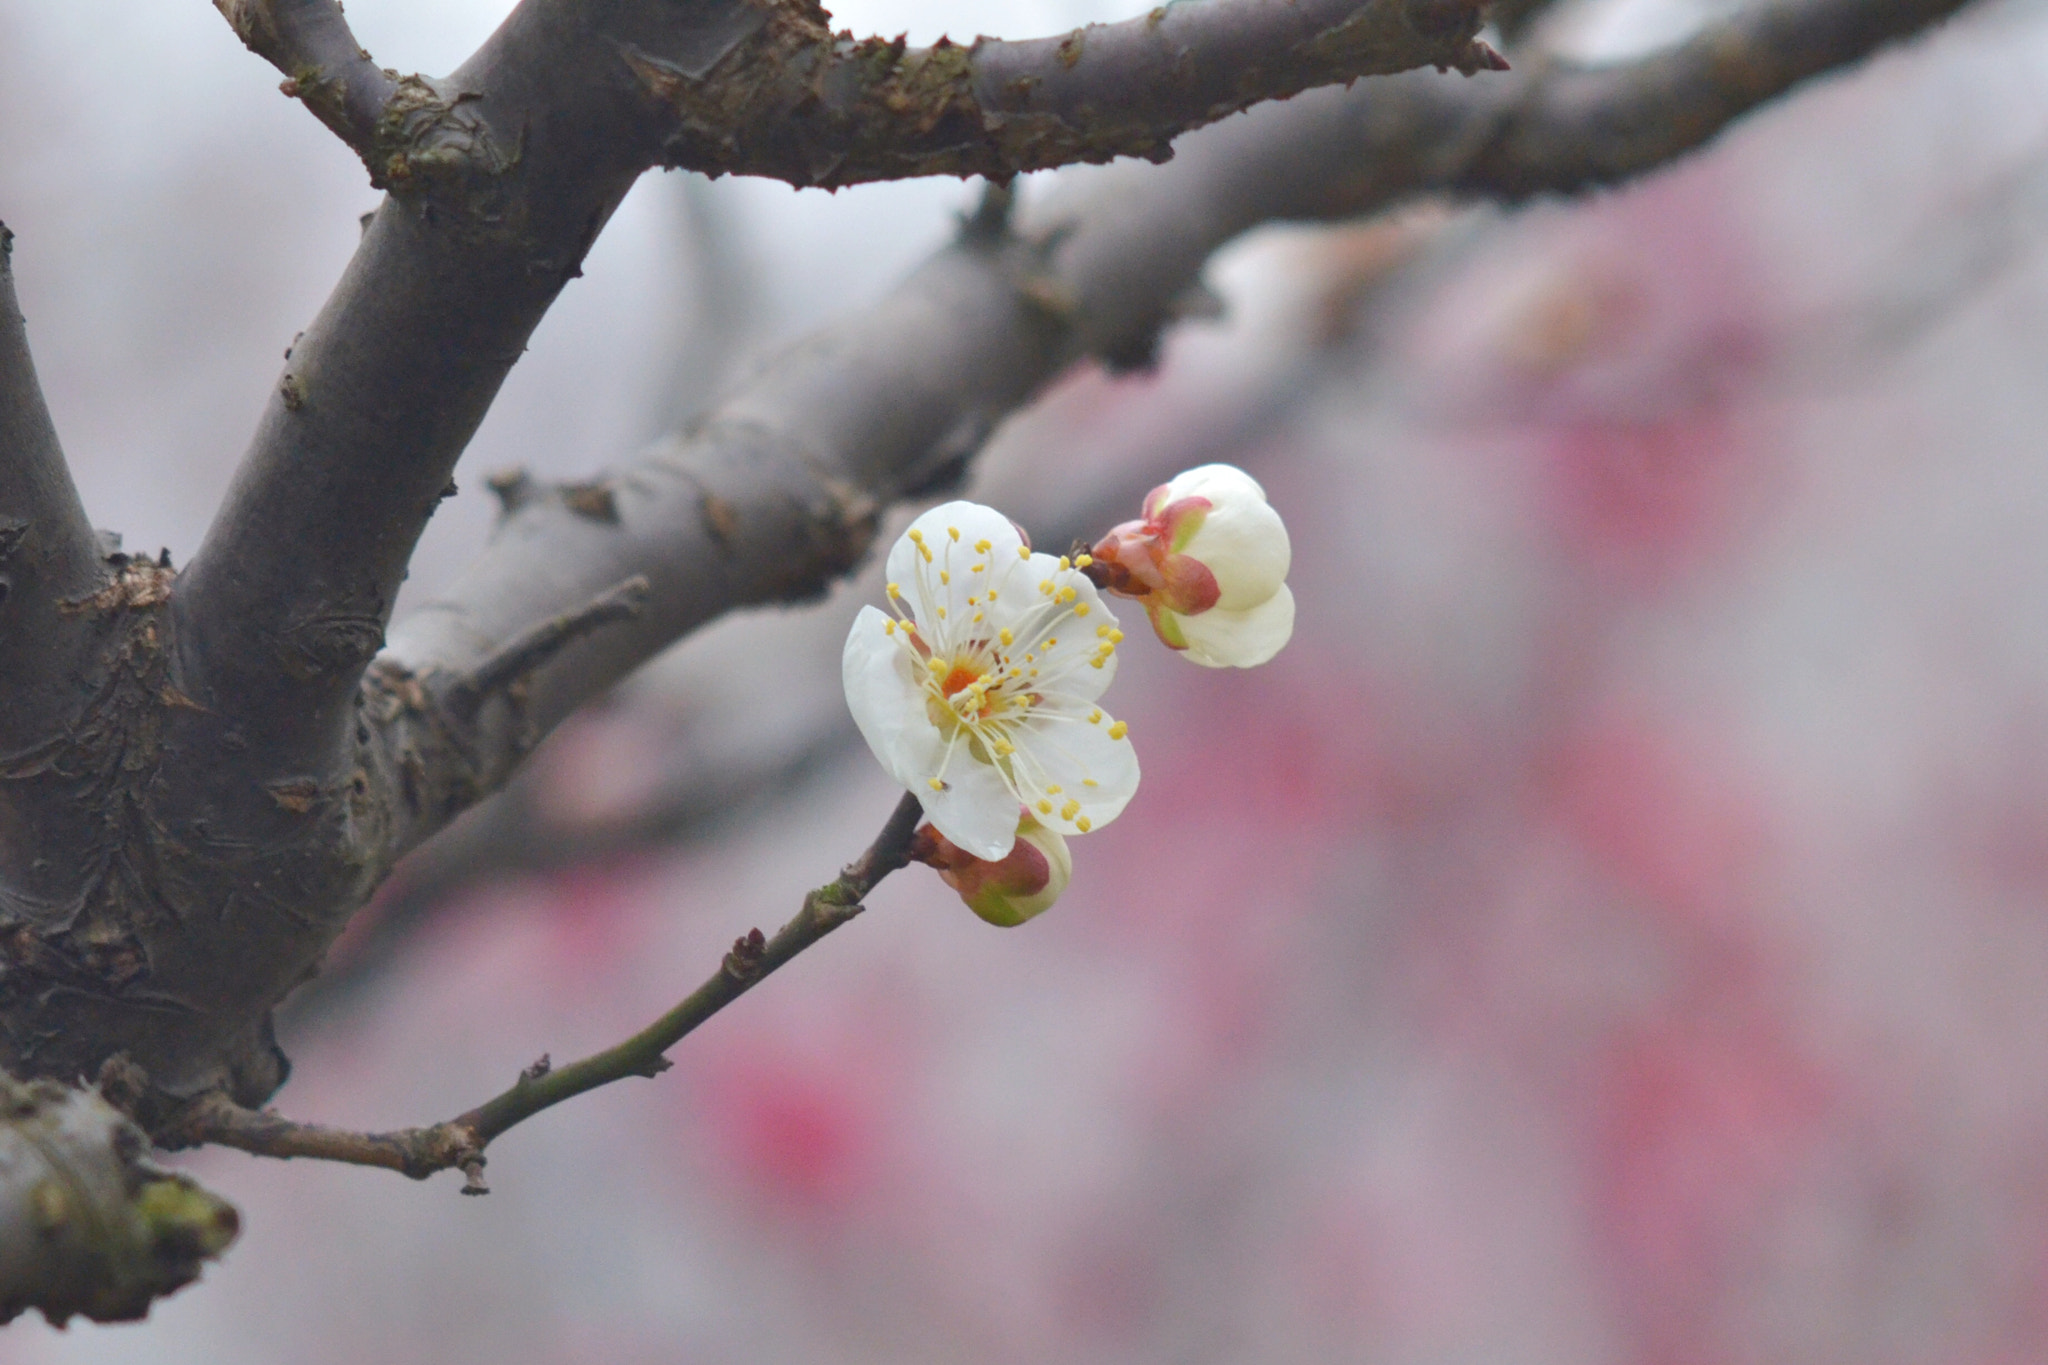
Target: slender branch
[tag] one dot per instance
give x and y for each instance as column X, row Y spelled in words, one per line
column 803, row 104
column 460, row 1142
column 323, row 65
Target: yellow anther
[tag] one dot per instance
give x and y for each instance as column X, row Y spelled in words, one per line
column 1046, row 587
column 977, row 618
column 1004, row 748
column 991, row 594
column 1005, row 636
column 1068, row 594
column 1081, row 610
column 916, row 536
column 1083, row 825
column 1083, row 561
column 981, row 547
column 953, row 531
column 1051, row 641
column 1070, row 810
column 895, row 590
column 1023, row 552
column 1095, row 716
column 942, row 613
column 1102, row 632
column 1090, row 782
column 1066, row 563
column 978, row 568
column 1053, row 790
column 936, row 665
column 1119, row 730
column 1045, row 808
column 937, row 785
column 888, row 627
column 1097, row 661
column 945, row 577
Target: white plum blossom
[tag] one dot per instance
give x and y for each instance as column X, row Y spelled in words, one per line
column 1208, row 559
column 977, row 691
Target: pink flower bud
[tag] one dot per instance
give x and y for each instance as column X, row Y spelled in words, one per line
column 1008, row 890
column 1208, row 560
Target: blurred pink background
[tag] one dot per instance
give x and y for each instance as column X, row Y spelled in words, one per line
column 1615, row 932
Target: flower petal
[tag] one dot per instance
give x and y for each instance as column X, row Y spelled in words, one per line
column 975, row 810
column 886, row 696
column 1064, row 630
column 1083, row 753
column 1239, row 639
column 1242, row 539
column 939, row 564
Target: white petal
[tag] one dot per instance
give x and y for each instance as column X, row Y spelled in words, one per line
column 1219, row 483
column 940, row 573
column 1064, row 667
column 1242, row 541
column 886, row 696
column 1095, row 773
column 1239, row 639
column 976, row 810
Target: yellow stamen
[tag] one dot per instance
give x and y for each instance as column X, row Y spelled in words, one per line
column 1066, row 563
column 1083, row 825
column 937, row 785
column 1083, row 561
column 981, row 547
column 936, row 665
column 1119, row 730
column 1045, row 808
column 953, row 531
column 888, row 627
column 1081, row 610
column 1023, row 552
column 1053, row 790
column 1095, row 716
column 916, row 536
column 1070, row 810
column 895, row 590
column 1005, row 636
column 1090, row 782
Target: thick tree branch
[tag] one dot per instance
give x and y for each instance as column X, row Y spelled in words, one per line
column 803, row 104
column 460, row 1142
column 48, row 553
